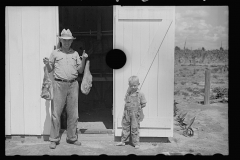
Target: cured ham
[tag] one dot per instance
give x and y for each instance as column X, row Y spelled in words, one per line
column 47, row 88
column 87, row 80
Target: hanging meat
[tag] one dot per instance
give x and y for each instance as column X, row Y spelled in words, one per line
column 87, row 79
column 47, row 88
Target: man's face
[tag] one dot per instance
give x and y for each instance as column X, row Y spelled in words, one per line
column 66, row 43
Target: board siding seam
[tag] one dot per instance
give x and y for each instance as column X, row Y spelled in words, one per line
column 22, row 70
column 148, row 83
column 126, row 56
column 131, row 46
column 57, row 24
column 157, row 84
column 113, row 105
column 9, row 82
column 40, row 69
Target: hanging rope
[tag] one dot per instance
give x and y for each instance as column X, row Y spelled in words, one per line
column 155, row 54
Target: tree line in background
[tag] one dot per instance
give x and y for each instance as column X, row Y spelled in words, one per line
column 203, row 49
column 201, row 56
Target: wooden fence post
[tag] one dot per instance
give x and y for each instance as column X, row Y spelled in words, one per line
column 207, row 86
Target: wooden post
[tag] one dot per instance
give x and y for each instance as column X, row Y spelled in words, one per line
column 207, row 86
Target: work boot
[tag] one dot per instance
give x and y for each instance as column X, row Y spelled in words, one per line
column 77, row 143
column 136, row 146
column 52, row 145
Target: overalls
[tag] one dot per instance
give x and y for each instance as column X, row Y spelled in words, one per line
column 131, row 119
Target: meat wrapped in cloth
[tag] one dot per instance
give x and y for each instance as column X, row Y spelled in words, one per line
column 87, row 80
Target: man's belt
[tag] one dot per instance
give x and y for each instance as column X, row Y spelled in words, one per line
column 61, row 80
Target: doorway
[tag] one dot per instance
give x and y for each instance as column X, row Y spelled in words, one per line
column 93, row 28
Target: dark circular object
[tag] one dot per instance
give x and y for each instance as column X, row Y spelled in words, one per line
column 116, row 59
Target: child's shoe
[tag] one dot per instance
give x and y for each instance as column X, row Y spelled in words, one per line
column 120, row 144
column 136, row 146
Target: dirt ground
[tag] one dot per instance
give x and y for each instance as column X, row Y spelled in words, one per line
column 210, row 137
column 210, row 126
column 211, row 121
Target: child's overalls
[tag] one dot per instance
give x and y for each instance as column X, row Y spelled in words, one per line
column 131, row 119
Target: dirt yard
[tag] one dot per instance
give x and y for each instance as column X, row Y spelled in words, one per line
column 211, row 121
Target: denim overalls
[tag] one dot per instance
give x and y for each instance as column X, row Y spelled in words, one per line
column 131, row 118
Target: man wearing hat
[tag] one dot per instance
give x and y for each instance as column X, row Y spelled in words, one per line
column 65, row 64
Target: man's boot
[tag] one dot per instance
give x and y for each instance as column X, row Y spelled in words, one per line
column 52, row 145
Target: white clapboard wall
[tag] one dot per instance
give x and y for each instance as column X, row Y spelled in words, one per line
column 30, row 36
column 146, row 35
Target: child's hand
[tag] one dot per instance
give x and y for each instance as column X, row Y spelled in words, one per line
column 129, row 90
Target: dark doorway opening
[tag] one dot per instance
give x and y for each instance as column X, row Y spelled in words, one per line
column 93, row 28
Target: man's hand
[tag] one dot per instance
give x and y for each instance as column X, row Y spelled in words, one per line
column 84, row 55
column 82, row 66
column 45, row 60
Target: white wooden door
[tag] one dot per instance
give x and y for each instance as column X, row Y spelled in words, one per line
column 30, row 36
column 146, row 35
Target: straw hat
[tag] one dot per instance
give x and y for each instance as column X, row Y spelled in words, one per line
column 66, row 34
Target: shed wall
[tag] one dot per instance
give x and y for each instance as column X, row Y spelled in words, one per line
column 30, row 36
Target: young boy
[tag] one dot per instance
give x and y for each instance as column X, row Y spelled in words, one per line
column 133, row 115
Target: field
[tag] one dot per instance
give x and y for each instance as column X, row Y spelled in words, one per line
column 210, row 126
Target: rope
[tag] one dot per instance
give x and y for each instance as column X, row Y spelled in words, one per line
column 156, row 54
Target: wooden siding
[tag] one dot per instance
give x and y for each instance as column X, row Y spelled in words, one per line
column 30, row 35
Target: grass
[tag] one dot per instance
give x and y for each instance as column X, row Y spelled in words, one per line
column 185, row 94
column 189, row 89
column 177, row 92
column 195, row 83
column 183, row 83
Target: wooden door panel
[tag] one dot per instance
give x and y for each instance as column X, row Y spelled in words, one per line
column 31, row 36
column 147, row 42
column 7, row 79
column 16, row 69
column 31, row 70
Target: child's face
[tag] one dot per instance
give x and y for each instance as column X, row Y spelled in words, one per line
column 134, row 86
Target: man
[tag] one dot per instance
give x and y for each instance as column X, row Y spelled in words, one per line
column 65, row 64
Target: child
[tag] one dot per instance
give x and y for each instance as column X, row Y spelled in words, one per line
column 132, row 115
